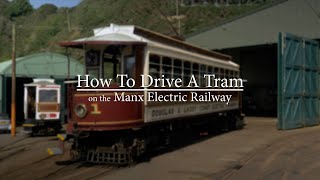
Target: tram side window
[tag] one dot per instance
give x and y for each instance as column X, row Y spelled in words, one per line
column 154, row 66
column 186, row 73
column 167, row 67
column 233, row 74
column 227, row 74
column 31, row 102
column 222, row 75
column 203, row 70
column 195, row 72
column 219, row 73
column 92, row 58
column 236, row 74
column 210, row 72
column 216, row 72
column 177, row 69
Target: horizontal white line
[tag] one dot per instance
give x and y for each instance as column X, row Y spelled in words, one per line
column 153, row 90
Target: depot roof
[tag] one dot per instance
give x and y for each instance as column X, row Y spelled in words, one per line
column 43, row 65
column 299, row 17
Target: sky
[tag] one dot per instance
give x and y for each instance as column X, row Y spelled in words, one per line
column 58, row 3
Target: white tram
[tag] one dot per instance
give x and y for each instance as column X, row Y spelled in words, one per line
column 42, row 107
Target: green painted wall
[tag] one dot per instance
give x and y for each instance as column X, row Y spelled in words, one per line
column 43, row 65
column 1, row 94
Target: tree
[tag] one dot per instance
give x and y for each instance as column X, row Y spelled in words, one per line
column 47, row 9
column 18, row 8
column 3, row 5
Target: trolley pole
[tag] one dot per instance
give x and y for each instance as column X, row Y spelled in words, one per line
column 13, row 83
column 178, row 18
column 68, row 19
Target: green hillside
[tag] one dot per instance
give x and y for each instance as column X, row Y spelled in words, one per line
column 41, row 29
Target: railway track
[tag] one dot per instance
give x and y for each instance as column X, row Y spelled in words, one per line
column 58, row 167
column 80, row 170
column 43, row 166
column 33, row 142
column 12, row 149
column 12, row 154
column 283, row 160
column 22, row 152
column 12, row 143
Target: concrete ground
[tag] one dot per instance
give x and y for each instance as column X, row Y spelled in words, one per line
column 252, row 153
column 259, row 151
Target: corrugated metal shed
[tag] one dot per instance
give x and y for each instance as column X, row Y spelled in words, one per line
column 43, row 65
column 300, row 17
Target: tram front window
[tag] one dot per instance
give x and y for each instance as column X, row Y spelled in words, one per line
column 50, row 96
column 111, row 59
column 129, row 66
column 110, row 69
column 93, row 72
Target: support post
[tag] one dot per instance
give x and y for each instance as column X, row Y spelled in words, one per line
column 1, row 94
column 13, row 83
column 67, row 53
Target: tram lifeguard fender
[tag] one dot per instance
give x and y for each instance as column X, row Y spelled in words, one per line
column 28, row 125
column 54, row 151
column 62, row 137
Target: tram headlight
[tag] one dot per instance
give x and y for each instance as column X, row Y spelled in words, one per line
column 80, row 110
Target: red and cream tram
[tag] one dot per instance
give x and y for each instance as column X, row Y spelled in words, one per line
column 118, row 132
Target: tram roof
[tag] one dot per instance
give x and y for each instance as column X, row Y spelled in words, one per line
column 114, row 38
column 128, row 34
column 42, row 82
